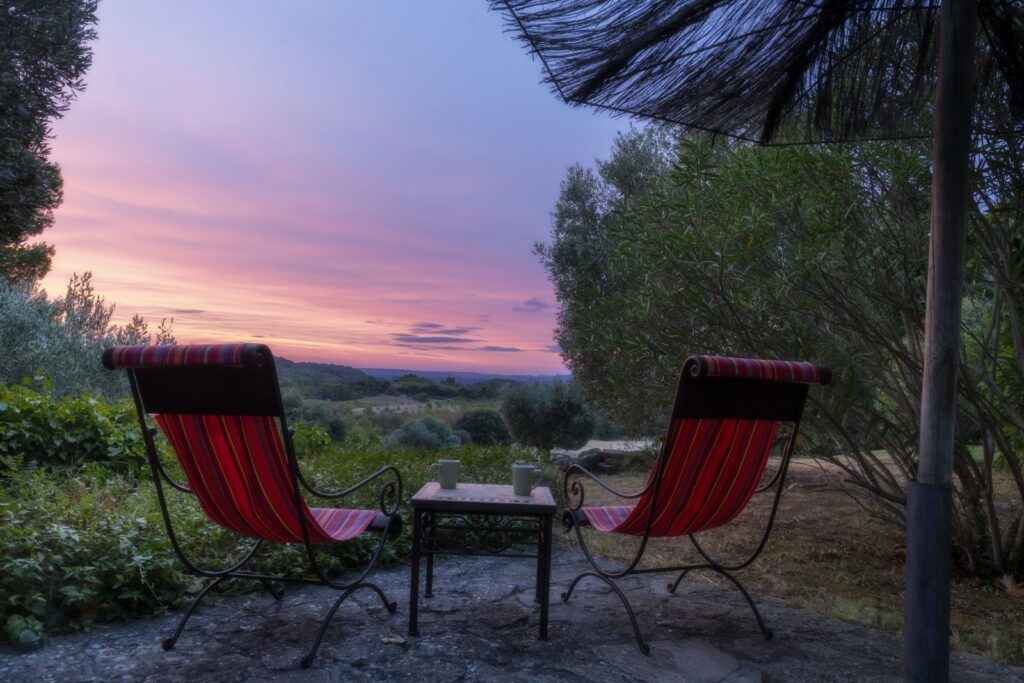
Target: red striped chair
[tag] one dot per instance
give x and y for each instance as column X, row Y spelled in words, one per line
column 220, row 408
column 725, row 420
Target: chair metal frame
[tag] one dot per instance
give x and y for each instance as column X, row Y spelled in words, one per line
column 697, row 396
column 177, row 389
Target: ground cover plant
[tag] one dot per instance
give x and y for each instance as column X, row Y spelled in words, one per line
column 82, row 540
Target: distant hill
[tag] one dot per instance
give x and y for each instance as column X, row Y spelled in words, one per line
column 332, row 382
column 288, row 370
column 328, row 381
column 460, row 377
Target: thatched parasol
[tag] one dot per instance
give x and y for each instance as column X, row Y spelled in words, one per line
column 788, row 71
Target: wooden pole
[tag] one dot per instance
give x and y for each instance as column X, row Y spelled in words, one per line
column 929, row 499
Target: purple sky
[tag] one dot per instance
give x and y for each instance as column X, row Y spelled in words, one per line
column 358, row 183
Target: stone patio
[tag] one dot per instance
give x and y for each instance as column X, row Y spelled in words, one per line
column 482, row 626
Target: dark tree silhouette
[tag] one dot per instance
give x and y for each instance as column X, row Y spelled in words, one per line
column 44, row 53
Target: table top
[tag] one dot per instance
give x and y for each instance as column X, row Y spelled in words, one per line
column 483, row 499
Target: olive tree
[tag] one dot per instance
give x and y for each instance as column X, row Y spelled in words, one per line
column 817, row 254
column 547, row 415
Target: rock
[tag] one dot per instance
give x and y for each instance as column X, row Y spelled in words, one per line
column 603, row 460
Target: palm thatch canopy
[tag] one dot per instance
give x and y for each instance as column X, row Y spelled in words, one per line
column 764, row 70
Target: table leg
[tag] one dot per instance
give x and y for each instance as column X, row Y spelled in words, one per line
column 538, row 582
column 414, row 583
column 544, row 565
column 429, row 541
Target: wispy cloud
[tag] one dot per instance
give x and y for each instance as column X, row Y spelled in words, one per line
column 533, row 305
column 438, row 328
column 421, row 339
column 503, row 349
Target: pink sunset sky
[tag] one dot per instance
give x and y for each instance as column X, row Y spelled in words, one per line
column 350, row 182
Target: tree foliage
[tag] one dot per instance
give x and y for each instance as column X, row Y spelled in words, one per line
column 63, row 338
column 44, row 52
column 817, row 254
column 426, row 433
column 547, row 415
column 485, row 428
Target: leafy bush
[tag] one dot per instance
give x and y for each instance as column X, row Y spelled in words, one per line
column 80, row 550
column 547, row 415
column 317, row 412
column 87, row 545
column 64, row 338
column 485, row 428
column 38, row 428
column 426, row 433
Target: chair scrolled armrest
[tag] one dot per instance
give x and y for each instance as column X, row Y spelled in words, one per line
column 389, row 494
column 572, row 488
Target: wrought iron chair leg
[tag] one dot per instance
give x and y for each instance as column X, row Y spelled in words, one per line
column 276, row 592
column 390, row 605
column 169, row 642
column 673, row 586
column 308, row 659
column 640, row 642
column 767, row 632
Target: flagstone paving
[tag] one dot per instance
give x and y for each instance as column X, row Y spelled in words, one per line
column 482, row 626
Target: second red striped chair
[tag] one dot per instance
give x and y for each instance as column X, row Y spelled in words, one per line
column 725, row 420
column 220, row 408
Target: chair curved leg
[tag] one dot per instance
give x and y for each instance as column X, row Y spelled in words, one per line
column 640, row 642
column 391, row 606
column 674, row 585
column 765, row 631
column 169, row 642
column 308, row 659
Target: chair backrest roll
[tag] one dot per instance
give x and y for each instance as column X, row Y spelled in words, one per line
column 201, row 379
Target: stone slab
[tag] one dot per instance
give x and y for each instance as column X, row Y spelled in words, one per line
column 702, row 633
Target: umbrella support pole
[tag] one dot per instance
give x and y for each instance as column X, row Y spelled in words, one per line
column 929, row 559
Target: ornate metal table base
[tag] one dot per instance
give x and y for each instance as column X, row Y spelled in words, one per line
column 480, row 519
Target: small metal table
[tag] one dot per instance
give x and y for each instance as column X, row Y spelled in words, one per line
column 483, row 512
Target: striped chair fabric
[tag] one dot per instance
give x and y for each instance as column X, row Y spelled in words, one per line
column 713, row 466
column 168, row 355
column 237, row 468
column 757, row 368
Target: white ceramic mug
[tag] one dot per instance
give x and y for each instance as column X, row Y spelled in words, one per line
column 449, row 473
column 523, row 478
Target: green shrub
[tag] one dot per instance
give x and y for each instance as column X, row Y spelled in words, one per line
column 485, row 428
column 85, row 545
column 40, row 429
column 64, row 338
column 80, row 550
column 547, row 415
column 317, row 412
column 426, row 433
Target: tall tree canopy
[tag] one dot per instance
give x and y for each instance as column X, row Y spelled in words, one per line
column 804, row 252
column 44, row 53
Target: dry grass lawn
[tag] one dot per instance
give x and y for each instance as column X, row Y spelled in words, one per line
column 828, row 555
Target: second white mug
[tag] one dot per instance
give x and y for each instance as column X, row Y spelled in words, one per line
column 523, row 478
column 449, row 475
